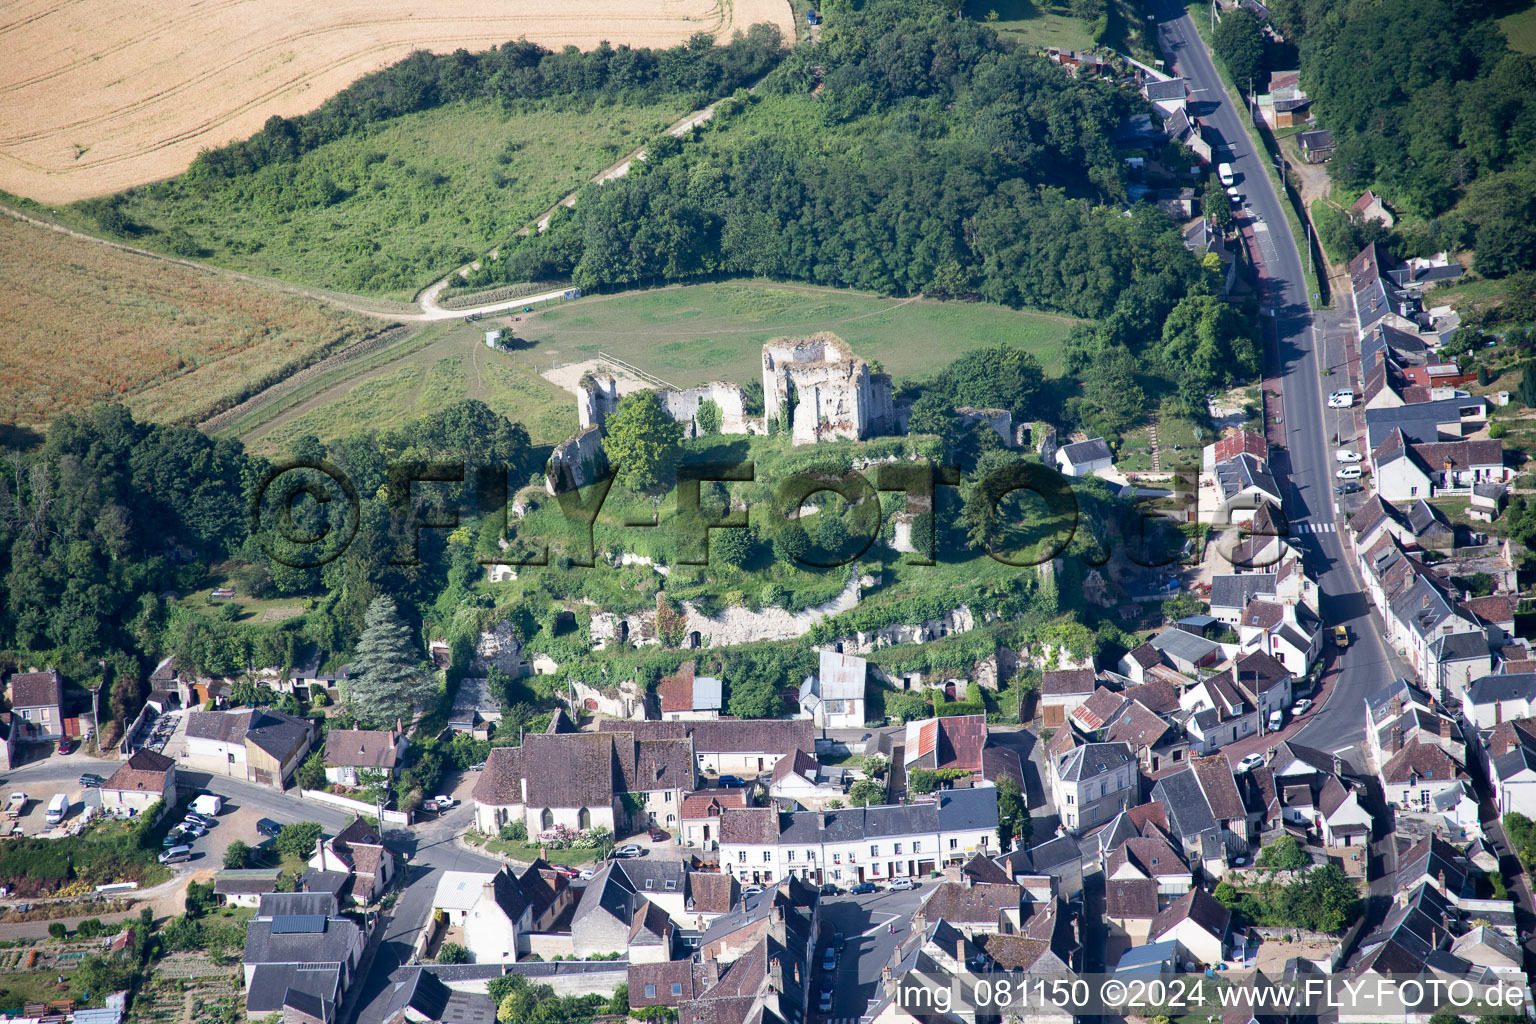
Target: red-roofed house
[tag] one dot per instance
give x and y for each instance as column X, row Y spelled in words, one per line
column 700, row 817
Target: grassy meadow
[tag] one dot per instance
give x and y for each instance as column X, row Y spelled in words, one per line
column 391, row 209
column 692, row 334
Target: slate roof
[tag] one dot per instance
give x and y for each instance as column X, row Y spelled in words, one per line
column 1237, row 591
column 1289, row 750
column 1493, row 689
column 1184, row 802
column 244, row 881
column 1176, row 643
column 1054, row 853
column 1215, row 775
column 281, row 904
column 1172, row 89
column 36, row 690
column 1130, row 898
column 725, row 735
column 277, row 733
column 1092, row 760
column 1138, row 726
column 1094, row 449
column 270, row 984
column 982, row 869
column 798, row 763
column 501, row 780
column 264, row 946
column 421, row 991
column 1419, row 422
column 223, row 726
column 1245, row 472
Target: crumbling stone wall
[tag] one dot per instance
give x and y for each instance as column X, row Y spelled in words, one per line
column 597, row 397
column 827, row 391
column 576, row 462
column 683, row 406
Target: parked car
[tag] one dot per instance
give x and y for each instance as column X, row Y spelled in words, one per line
column 445, row 802
column 627, row 851
column 751, row 890
column 568, row 872
column 66, row 745
column 89, row 781
column 824, row 1005
column 1350, row 488
column 176, row 854
column 1301, row 707
column 1341, row 636
column 828, row 958
column 175, row 837
column 837, row 940
column 657, row 835
column 731, row 781
column 194, row 830
column 828, row 889
column 1249, row 763
column 1347, row 455
column 586, row 874
column 863, row 889
column 268, row 828
column 477, row 767
column 903, row 884
column 1348, row 473
column 194, row 818
column 1344, row 399
column 1276, row 718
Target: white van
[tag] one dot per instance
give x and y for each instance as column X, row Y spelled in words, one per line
column 208, row 804
column 1348, row 473
column 1224, row 174
column 57, row 808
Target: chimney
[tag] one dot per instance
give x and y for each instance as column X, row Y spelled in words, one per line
column 1338, row 765
column 776, row 975
column 1397, row 706
column 1397, row 738
column 885, row 978
column 1440, row 877
column 1445, row 728
column 711, row 972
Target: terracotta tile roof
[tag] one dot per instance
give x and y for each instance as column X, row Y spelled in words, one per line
column 1097, row 711
column 1014, row 952
column 500, row 784
column 143, row 772
column 961, row 904
column 799, row 763
column 1130, row 898
column 1198, row 906
column 676, row 690
column 658, row 764
column 1152, row 857
column 711, row 893
column 1494, row 608
column 1064, row 682
column 1156, row 695
column 752, row 825
column 1150, row 815
column 1239, row 442
column 361, row 748
column 709, row 803
column 961, row 740
column 36, row 690
column 1419, row 760
column 1215, row 775
column 1262, row 614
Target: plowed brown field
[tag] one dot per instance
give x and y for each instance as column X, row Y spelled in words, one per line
column 100, row 96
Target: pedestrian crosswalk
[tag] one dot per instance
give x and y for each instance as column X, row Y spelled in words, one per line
column 1315, row 528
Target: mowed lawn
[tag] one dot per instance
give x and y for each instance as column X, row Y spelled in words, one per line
column 1036, row 26
column 1520, row 29
column 388, row 211
column 392, row 387
column 693, row 334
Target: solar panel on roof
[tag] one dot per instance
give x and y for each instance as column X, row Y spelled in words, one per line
column 298, row 924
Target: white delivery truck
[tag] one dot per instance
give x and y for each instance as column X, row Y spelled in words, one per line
column 208, row 804
column 57, row 808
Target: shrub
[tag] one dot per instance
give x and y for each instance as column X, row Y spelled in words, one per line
column 1497, row 430
column 57, row 929
column 298, row 840
column 515, row 831
column 452, row 953
column 1284, row 854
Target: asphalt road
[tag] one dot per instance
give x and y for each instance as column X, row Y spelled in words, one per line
column 868, row 941
column 1306, row 464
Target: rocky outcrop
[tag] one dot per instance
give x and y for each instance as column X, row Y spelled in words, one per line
column 500, row 648
column 957, row 620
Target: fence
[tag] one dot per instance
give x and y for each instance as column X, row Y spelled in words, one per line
column 635, row 371
column 355, row 806
column 125, row 746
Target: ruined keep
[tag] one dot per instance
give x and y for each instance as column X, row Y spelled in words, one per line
column 824, row 390
column 575, row 462
column 597, row 398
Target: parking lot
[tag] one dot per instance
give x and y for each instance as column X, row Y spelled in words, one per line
column 33, row 821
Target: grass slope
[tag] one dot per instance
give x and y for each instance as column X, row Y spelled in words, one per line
column 174, row 343
column 390, row 387
column 692, row 334
column 412, row 197
column 1520, row 30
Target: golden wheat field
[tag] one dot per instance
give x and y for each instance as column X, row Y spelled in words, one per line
column 102, row 95
column 86, row 323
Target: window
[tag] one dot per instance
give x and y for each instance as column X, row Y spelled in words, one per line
column 672, row 882
column 954, row 844
column 767, row 856
column 671, row 819
column 677, row 988
column 741, row 856
column 791, row 856
column 669, row 796
column 650, row 991
column 898, row 849
column 650, row 883
column 874, row 851
column 983, row 842
column 917, row 846
column 837, row 858
column 1069, row 800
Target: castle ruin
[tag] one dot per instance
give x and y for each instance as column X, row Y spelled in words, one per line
column 597, row 398
column 821, row 390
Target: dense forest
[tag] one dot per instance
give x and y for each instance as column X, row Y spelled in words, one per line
column 1430, row 107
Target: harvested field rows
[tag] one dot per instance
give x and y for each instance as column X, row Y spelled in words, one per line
column 96, row 98
column 86, row 323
